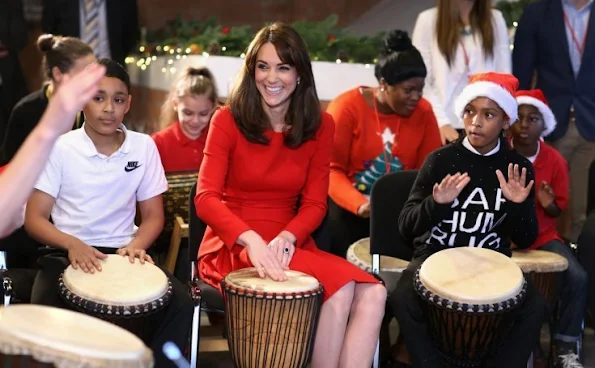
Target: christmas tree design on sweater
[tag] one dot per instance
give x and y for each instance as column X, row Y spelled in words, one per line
column 374, row 169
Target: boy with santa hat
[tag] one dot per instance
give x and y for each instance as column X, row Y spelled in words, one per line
column 536, row 121
column 458, row 189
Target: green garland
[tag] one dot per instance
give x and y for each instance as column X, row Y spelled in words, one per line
column 326, row 42
column 512, row 11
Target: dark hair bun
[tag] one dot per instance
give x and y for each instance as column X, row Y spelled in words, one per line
column 199, row 72
column 397, row 41
column 45, row 42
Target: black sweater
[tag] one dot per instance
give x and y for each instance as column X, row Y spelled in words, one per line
column 481, row 216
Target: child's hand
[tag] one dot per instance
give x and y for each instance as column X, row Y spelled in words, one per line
column 545, row 195
column 450, row 187
column 74, row 92
column 514, row 189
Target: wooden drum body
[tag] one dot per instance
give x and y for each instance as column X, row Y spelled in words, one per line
column 468, row 292
column 390, row 268
column 544, row 269
column 271, row 324
column 34, row 336
column 130, row 295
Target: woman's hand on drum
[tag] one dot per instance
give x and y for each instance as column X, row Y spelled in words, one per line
column 84, row 256
column 284, row 249
column 262, row 257
column 515, row 189
column 450, row 187
column 133, row 253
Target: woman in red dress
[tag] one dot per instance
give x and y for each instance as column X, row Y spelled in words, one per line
column 185, row 118
column 269, row 150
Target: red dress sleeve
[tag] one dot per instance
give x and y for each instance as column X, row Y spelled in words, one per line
column 313, row 205
column 212, row 177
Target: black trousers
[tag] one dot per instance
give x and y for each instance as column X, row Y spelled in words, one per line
column 520, row 340
column 175, row 321
column 345, row 228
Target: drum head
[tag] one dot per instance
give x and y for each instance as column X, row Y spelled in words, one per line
column 57, row 334
column 359, row 254
column 119, row 282
column 247, row 278
column 471, row 275
column 540, row 261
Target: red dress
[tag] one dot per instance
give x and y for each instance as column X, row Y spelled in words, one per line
column 177, row 151
column 246, row 186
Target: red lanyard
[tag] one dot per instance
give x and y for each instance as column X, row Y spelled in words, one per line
column 580, row 47
column 387, row 158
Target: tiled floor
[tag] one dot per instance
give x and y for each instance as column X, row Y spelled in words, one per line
column 214, row 353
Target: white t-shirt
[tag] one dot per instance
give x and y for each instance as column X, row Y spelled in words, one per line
column 96, row 195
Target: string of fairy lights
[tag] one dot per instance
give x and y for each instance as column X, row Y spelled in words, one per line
column 144, row 59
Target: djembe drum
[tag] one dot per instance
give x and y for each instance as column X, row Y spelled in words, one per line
column 544, row 269
column 390, row 268
column 270, row 323
column 468, row 292
column 33, row 336
column 130, row 295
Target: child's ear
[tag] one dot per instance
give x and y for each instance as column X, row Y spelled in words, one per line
column 57, row 74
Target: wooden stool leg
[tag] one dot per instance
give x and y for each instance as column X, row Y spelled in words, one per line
column 180, row 231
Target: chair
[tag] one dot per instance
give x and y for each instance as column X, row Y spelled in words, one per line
column 176, row 214
column 387, row 198
column 207, row 298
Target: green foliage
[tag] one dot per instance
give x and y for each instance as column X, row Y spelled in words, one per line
column 325, row 41
column 512, row 11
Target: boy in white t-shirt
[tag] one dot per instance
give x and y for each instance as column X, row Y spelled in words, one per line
column 94, row 178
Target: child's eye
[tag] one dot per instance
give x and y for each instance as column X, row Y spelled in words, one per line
column 489, row 115
column 98, row 98
column 119, row 100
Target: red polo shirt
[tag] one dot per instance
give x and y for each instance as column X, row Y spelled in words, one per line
column 177, row 151
column 552, row 168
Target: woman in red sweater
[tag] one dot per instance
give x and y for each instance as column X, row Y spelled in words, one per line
column 265, row 153
column 185, row 116
column 377, row 130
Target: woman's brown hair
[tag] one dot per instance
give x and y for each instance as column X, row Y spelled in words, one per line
column 448, row 26
column 193, row 82
column 61, row 52
column 304, row 113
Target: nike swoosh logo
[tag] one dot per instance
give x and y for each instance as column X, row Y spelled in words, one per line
column 129, row 169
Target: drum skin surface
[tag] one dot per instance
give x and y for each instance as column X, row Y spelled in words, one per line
column 359, row 254
column 535, row 260
column 67, row 339
column 119, row 282
column 472, row 275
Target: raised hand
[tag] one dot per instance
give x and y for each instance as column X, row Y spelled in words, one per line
column 515, row 189
column 74, row 92
column 450, row 187
column 545, row 195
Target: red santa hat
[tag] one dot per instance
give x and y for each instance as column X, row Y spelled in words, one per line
column 537, row 99
column 498, row 87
